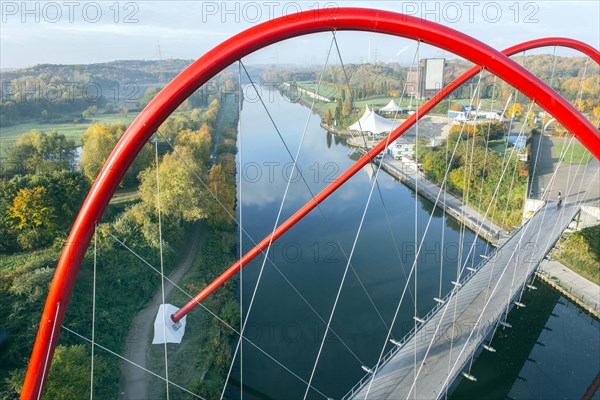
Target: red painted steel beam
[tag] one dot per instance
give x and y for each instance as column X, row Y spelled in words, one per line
column 332, row 187
column 209, row 65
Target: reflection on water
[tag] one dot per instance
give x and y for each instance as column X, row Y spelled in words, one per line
column 550, row 353
column 295, row 298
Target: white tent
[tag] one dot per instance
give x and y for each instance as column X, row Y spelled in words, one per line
column 391, row 107
column 373, row 123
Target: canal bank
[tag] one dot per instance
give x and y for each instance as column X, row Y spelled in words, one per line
column 581, row 291
column 310, row 256
column 408, row 174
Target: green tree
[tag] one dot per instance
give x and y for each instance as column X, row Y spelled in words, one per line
column 338, row 110
column 181, row 197
column 33, row 217
column 99, row 141
column 38, row 152
column 328, row 118
column 217, row 184
column 148, row 96
column 69, row 377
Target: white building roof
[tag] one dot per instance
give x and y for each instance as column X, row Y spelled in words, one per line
column 391, row 107
column 371, row 122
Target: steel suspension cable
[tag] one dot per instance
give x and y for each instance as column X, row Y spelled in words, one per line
column 162, row 271
column 235, row 221
column 465, row 190
column 275, row 225
column 303, row 178
column 537, row 154
column 212, row 313
column 349, row 258
column 455, row 289
column 93, row 311
column 240, row 203
column 413, row 266
column 416, row 262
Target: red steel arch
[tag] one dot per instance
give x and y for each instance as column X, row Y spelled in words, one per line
column 216, row 60
column 410, row 121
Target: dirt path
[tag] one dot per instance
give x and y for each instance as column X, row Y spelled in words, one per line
column 135, row 381
column 124, row 196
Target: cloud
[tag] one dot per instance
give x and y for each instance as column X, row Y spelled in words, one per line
column 136, row 30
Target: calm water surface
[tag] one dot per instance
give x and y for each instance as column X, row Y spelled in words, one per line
column 311, row 258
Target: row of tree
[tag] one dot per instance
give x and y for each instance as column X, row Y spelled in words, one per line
column 39, row 202
column 474, row 172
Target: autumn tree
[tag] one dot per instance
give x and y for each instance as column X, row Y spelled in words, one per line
column 225, row 193
column 346, row 109
column 181, row 197
column 198, row 142
column 328, row 118
column 99, row 141
column 516, row 110
column 33, row 217
column 38, row 152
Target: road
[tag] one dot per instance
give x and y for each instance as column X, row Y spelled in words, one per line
column 576, row 181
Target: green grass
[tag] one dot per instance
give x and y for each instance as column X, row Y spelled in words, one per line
column 46, row 257
column 497, row 145
column 575, row 154
column 581, row 252
column 379, row 102
column 10, row 134
column 326, row 89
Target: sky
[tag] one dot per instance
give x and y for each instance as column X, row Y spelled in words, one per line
column 81, row 32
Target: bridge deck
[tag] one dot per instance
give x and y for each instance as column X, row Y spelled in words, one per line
column 506, row 271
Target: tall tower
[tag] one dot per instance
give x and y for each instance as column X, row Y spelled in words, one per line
column 161, row 73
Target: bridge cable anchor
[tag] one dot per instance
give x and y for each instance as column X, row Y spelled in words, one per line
column 165, row 329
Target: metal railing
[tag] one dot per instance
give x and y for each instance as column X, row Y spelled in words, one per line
column 489, row 323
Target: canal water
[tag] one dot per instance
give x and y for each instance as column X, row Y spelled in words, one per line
column 300, row 281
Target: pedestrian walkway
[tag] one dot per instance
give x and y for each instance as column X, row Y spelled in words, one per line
column 473, row 219
column 579, row 289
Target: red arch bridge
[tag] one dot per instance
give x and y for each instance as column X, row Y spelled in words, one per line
column 417, row 365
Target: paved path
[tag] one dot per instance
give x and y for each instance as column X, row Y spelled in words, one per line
column 481, row 300
column 124, row 196
column 576, row 285
column 577, row 182
column 454, row 206
column 135, row 381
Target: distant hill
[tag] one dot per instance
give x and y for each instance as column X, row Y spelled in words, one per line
column 51, row 91
column 138, row 71
column 387, row 79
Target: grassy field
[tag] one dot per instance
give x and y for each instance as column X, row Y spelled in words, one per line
column 498, row 145
column 326, row 89
column 11, row 261
column 378, row 102
column 575, row 154
column 10, row 134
